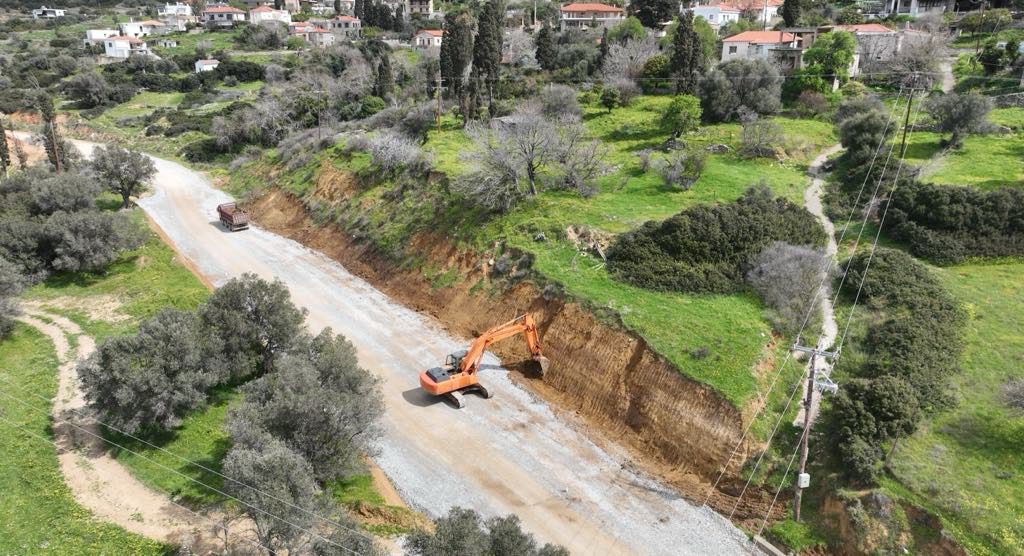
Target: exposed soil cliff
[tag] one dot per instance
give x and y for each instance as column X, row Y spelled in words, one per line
column 681, row 431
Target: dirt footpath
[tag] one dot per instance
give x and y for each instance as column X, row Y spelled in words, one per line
column 98, row 481
column 510, row 454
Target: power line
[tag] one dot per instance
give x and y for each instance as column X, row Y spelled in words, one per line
column 817, row 292
column 175, row 471
column 83, row 415
column 56, row 446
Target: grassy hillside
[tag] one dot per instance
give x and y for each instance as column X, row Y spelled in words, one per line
column 37, row 512
column 677, row 325
column 966, row 463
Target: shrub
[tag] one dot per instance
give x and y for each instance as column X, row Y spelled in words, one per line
column 948, row 224
column 682, row 115
column 559, row 101
column 370, row 105
column 11, row 284
column 706, row 248
column 762, row 138
column 626, row 90
column 682, row 169
column 1013, row 394
column 864, row 126
column 812, row 104
column 393, row 153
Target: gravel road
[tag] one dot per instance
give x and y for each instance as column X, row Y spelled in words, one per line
column 504, row 455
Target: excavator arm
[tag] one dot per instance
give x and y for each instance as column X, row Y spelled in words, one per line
column 520, row 325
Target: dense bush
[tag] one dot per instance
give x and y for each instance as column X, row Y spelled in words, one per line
column 740, row 86
column 464, row 532
column 948, row 224
column 911, row 349
column 706, row 249
column 11, row 284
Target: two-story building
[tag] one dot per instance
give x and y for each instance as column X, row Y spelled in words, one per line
column 716, row 14
column 345, row 26
column 97, row 36
column 262, row 14
column 175, row 9
column 428, row 38
column 423, row 8
column 750, row 45
column 124, row 47
column 48, row 13
column 140, row 29
column 222, row 16
column 588, row 15
column 762, row 11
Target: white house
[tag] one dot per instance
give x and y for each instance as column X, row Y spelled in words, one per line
column 123, row 47
column 47, row 13
column 167, row 43
column 175, row 9
column 587, row 15
column 763, row 11
column 428, row 38
column 716, row 14
column 206, row 65
column 222, row 16
column 142, row 28
column 93, row 36
column 750, row 45
column 261, row 14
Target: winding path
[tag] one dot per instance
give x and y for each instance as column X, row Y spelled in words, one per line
column 829, row 329
column 97, row 480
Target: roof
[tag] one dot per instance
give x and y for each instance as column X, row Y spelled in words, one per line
column 721, row 7
column 207, row 62
column 864, row 28
column 431, row 32
column 318, row 30
column 152, row 23
column 761, row 37
column 223, row 10
column 262, row 9
column 124, row 38
column 346, row 18
column 590, row 7
column 743, row 5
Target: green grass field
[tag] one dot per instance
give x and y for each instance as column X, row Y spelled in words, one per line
column 965, row 464
column 37, row 512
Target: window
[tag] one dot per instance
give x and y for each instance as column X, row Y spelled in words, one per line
column 732, row 50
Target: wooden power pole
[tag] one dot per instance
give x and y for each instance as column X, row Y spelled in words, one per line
column 803, row 480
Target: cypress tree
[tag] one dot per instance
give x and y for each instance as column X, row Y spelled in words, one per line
column 337, row 6
column 791, row 12
column 604, row 49
column 357, row 8
column 456, row 51
column 51, row 138
column 385, row 83
column 487, row 49
column 5, row 153
column 545, row 43
column 687, row 62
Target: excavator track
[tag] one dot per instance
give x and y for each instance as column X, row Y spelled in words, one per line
column 483, row 392
column 455, row 399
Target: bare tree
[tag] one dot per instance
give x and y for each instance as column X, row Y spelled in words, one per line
column 627, row 60
column 761, row 138
column 682, row 169
column 787, row 278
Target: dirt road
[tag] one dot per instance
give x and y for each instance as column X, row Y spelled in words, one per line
column 509, row 454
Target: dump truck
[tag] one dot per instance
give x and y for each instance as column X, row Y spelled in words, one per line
column 459, row 373
column 232, row 217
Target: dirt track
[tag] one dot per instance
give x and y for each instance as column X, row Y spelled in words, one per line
column 509, row 454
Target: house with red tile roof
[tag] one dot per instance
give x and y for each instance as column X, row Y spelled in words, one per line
column 750, row 45
column 124, row 47
column 222, row 16
column 590, row 16
column 265, row 14
column 428, row 38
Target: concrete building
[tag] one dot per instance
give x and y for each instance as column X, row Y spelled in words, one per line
column 95, row 36
column 421, row 7
column 124, row 47
column 222, row 16
column 206, row 65
column 716, row 14
column 175, row 9
column 167, row 43
column 48, row 13
column 428, row 38
column 142, row 28
column 750, row 45
column 763, row 11
column 261, row 14
column 344, row 26
column 318, row 36
column 588, row 15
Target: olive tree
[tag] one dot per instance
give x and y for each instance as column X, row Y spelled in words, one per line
column 123, row 171
column 318, row 402
column 255, row 319
column 740, row 86
column 960, row 115
column 87, row 240
column 65, row 192
column 863, row 127
column 153, row 377
column 276, row 489
column 462, row 531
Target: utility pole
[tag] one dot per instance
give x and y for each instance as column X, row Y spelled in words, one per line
column 437, row 93
column 906, row 120
column 813, row 382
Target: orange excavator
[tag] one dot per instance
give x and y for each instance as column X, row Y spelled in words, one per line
column 459, row 373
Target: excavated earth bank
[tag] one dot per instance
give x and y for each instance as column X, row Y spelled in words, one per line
column 678, row 429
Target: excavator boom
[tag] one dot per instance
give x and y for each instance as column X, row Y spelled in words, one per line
column 450, row 381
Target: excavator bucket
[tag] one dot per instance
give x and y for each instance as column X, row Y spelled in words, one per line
column 542, row 365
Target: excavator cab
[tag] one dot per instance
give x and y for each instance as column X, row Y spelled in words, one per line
column 454, row 360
